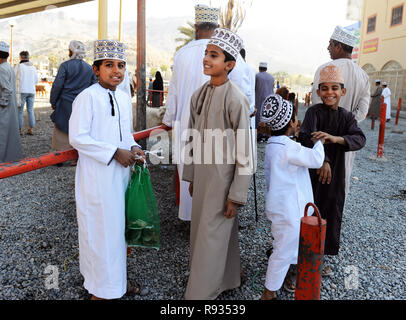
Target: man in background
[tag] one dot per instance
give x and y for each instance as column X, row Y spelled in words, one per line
column 10, row 144
column 187, row 77
column 356, row 80
column 26, row 79
column 386, row 93
column 264, row 84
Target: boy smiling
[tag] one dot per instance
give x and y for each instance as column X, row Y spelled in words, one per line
column 339, row 129
column 217, row 188
column 100, row 129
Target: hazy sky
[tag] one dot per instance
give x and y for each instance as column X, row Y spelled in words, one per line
column 291, row 30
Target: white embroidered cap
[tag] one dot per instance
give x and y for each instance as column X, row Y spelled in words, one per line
column 263, row 65
column 109, row 49
column 344, row 36
column 227, row 40
column 276, row 112
column 4, row 47
column 385, row 84
column 204, row 13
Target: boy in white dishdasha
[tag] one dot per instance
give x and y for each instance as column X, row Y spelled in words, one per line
column 288, row 188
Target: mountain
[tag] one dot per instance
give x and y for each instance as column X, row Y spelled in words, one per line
column 44, row 33
column 49, row 33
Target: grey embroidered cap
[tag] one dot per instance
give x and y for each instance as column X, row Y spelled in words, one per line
column 109, row 49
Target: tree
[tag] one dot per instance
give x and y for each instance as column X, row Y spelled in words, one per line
column 233, row 14
column 189, row 32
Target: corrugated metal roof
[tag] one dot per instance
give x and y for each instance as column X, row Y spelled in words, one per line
column 12, row 8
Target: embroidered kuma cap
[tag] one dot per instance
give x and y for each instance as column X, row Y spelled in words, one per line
column 204, row 13
column 227, row 40
column 331, row 73
column 263, row 64
column 4, row 47
column 276, row 112
column 344, row 36
column 109, row 49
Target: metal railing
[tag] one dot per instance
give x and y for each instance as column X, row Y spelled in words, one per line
column 30, row 164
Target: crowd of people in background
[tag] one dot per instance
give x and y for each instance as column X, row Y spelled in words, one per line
column 304, row 162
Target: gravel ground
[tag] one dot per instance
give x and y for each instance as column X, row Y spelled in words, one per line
column 38, row 231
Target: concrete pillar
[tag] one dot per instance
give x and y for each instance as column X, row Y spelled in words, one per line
column 103, row 20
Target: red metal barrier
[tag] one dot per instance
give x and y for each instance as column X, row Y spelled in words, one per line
column 310, row 258
column 398, row 112
column 382, row 127
column 30, row 164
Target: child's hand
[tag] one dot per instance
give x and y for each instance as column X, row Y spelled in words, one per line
column 124, row 157
column 138, row 153
column 324, row 137
column 328, row 138
column 325, row 173
column 191, row 189
column 231, row 209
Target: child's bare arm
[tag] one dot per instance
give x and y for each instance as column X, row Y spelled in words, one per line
column 328, row 138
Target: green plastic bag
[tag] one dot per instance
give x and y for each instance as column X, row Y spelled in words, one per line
column 142, row 227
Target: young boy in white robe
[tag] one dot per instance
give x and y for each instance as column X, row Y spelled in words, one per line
column 100, row 129
column 219, row 180
column 288, row 188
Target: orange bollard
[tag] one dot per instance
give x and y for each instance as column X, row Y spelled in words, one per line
column 310, row 258
column 382, row 127
column 398, row 112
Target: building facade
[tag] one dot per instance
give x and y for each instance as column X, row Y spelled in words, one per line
column 382, row 51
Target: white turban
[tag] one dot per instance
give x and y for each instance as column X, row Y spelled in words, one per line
column 4, row 47
column 78, row 49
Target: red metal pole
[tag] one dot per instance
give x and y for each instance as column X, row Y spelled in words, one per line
column 141, row 68
column 30, row 164
column 398, row 112
column 382, row 127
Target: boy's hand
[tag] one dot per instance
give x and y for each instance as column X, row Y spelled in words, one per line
column 231, row 209
column 191, row 189
column 324, row 137
column 124, row 157
column 325, row 173
column 138, row 153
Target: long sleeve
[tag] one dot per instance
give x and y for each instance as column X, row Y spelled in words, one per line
column 79, row 131
column 6, row 89
column 172, row 103
column 309, row 126
column 306, row 157
column 314, row 96
column 361, row 110
column 239, row 116
column 188, row 168
column 354, row 136
column 57, row 86
column 377, row 93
